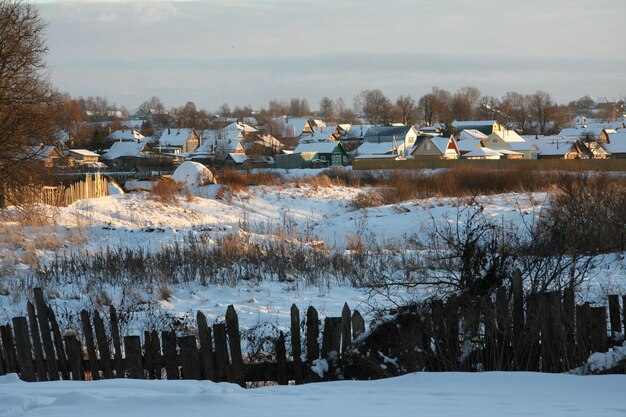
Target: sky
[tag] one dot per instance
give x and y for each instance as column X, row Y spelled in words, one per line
column 246, row 52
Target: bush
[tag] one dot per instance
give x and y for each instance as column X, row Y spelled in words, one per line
column 166, row 190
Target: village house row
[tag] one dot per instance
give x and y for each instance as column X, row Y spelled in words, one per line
column 311, row 143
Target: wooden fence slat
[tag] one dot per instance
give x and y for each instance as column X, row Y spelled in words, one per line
column 24, row 349
column 155, row 352
column 58, row 344
column 503, row 323
column 452, row 332
column 614, row 314
column 358, row 324
column 331, row 339
column 624, row 311
column 189, row 357
column 207, row 356
column 40, row 364
column 490, row 355
column 222, row 362
column 569, row 328
column 169, row 354
column 517, row 316
column 312, row 335
column 104, row 347
column 3, row 370
column 117, row 344
column 74, row 357
column 234, row 343
column 281, row 359
column 8, row 347
column 134, row 365
column 599, row 340
column 296, row 344
column 583, row 320
column 346, row 328
column 46, row 334
column 149, row 359
column 92, row 362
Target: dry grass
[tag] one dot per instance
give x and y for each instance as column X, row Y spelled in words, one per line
column 241, row 180
column 166, row 191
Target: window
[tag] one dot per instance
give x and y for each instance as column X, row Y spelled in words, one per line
column 494, row 140
column 428, row 146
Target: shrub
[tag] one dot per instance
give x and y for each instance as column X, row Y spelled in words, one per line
column 166, row 190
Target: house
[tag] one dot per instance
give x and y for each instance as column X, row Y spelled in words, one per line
column 293, row 127
column 235, row 159
column 469, row 139
column 84, row 156
column 483, row 153
column 557, row 147
column 485, row 126
column 400, row 138
column 509, row 139
column 322, row 134
column 314, row 155
column 47, row 155
column 435, row 147
column 179, row 141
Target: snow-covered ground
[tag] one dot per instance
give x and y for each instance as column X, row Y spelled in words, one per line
column 321, row 214
column 496, row 394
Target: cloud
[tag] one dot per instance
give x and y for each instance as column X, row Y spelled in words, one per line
column 155, row 12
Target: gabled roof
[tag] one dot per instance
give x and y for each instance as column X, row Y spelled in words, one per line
column 508, row 136
column 175, row 137
column 373, row 148
column 322, row 134
column 483, row 152
column 125, row 149
column 619, row 136
column 441, row 143
column 463, row 124
column 555, row 145
column 42, row 152
column 317, row 147
column 471, row 134
column 128, row 135
column 377, row 134
column 83, row 152
column 239, row 158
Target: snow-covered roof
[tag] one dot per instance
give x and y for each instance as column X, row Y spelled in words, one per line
column 377, row 134
column 239, row 158
column 83, row 152
column 441, row 143
column 175, row 137
column 483, row 152
column 468, row 145
column 471, row 134
column 508, row 136
column 126, row 135
column 316, row 147
column 372, row 148
column 619, row 136
column 42, row 152
column 554, row 145
column 240, row 126
column 125, row 149
column 462, row 124
column 321, row 134
column 574, row 132
column 615, row 147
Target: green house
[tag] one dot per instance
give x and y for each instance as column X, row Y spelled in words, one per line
column 315, row 155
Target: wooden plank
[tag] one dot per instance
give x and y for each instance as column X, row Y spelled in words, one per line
column 569, row 328
column 169, row 354
column 517, row 315
column 117, row 343
column 149, row 356
column 3, row 370
column 490, row 356
column 103, row 346
column 134, row 365
column 8, row 348
column 597, row 330
column 74, row 357
column 46, row 335
column 189, row 357
column 346, row 328
column 615, row 316
column 296, row 344
column 40, row 364
column 58, row 344
column 92, row 362
column 452, row 332
column 312, row 334
column 281, row 359
column 331, row 340
column 503, row 323
column 207, row 356
column 234, row 342
column 222, row 362
column 583, row 341
column 358, row 324
column 23, row 349
column 440, row 353
column 530, row 344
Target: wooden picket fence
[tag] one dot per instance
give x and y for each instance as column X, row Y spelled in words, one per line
column 545, row 332
column 92, row 186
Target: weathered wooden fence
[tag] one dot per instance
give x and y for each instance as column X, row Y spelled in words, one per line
column 545, row 332
column 93, row 186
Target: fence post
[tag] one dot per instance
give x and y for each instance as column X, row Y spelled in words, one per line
column 74, row 356
column 222, row 363
column 346, row 328
column 117, row 344
column 358, row 324
column 91, row 348
column 40, row 364
column 569, row 328
column 44, row 327
column 296, row 344
column 24, row 349
column 189, row 357
column 103, row 346
column 281, row 359
column 518, row 318
column 312, row 334
column 234, row 342
column 58, row 343
column 207, row 356
column 132, row 348
column 169, row 354
column 614, row 313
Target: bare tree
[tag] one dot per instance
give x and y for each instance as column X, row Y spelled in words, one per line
column 327, row 109
column 542, row 108
column 27, row 101
column 406, row 109
column 464, row 102
column 436, row 106
column 377, row 108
